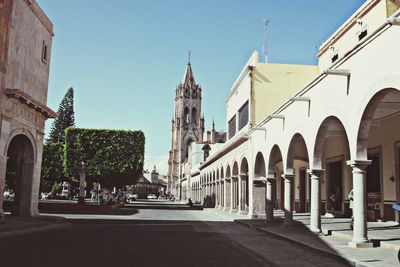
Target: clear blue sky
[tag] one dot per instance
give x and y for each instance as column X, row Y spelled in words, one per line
column 124, row 58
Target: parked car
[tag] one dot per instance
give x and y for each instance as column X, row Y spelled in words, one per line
column 131, row 197
column 151, row 196
column 9, row 194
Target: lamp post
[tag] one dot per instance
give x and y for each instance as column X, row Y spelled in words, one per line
column 82, row 176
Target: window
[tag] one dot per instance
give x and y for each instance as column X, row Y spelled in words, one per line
column 244, row 115
column 335, row 57
column 206, row 150
column 232, row 127
column 45, row 53
column 186, row 115
column 194, row 115
column 362, row 35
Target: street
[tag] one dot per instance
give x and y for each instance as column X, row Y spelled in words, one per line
column 148, row 238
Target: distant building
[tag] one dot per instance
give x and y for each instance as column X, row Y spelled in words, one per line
column 151, row 183
column 25, row 51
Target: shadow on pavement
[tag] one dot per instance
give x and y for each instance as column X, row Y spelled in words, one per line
column 297, row 233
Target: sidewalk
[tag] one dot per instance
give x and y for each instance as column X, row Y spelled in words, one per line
column 335, row 237
column 18, row 225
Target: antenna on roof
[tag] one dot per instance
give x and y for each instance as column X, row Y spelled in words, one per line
column 265, row 46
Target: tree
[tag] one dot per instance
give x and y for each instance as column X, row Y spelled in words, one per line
column 112, row 158
column 52, row 166
column 65, row 118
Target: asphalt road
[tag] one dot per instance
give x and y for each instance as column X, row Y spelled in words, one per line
column 153, row 242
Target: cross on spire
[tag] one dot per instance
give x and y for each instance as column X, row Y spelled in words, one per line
column 189, row 57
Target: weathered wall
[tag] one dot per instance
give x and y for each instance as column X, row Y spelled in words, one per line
column 28, row 34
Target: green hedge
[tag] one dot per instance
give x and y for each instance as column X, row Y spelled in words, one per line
column 112, row 158
column 52, row 166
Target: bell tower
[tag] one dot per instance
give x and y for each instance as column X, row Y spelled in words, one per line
column 187, row 125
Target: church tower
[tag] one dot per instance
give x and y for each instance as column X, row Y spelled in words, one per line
column 187, row 126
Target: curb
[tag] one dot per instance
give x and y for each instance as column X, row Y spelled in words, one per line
column 328, row 253
column 39, row 223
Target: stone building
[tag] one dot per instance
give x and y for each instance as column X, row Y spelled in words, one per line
column 304, row 147
column 187, row 127
column 198, row 153
column 25, row 50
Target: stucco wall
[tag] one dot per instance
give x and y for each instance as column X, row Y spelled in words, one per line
column 346, row 37
column 274, row 84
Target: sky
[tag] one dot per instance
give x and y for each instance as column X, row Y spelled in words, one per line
column 124, row 58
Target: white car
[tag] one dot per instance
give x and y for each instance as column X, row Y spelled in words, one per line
column 131, row 197
column 151, row 196
column 9, row 194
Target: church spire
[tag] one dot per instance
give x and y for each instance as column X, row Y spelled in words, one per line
column 188, row 78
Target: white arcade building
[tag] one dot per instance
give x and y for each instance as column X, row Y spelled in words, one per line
column 300, row 138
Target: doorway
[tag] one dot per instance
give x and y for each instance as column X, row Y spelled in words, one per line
column 302, row 190
column 335, row 186
column 19, row 175
column 373, row 183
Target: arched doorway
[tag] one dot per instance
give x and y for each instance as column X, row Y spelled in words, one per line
column 19, row 175
column 378, row 136
column 228, row 189
column 275, row 169
column 259, row 194
column 244, row 186
column 297, row 163
column 222, row 188
column 331, row 152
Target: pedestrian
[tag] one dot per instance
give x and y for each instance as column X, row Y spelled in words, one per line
column 351, row 200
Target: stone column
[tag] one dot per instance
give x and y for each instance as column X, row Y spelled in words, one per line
column 360, row 230
column 3, row 169
column 242, row 196
column 288, row 199
column 259, row 197
column 270, row 198
column 228, row 195
column 217, row 195
column 222, row 193
column 315, row 216
column 233, row 194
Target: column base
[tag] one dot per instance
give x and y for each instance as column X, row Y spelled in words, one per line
column 316, row 231
column 233, row 210
column 243, row 212
column 258, row 216
column 355, row 244
column 226, row 209
column 81, row 200
column 287, row 223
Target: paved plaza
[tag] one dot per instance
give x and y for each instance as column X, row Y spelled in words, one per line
column 156, row 234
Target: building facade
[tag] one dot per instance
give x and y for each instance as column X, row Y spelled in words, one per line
column 25, row 50
column 187, row 127
column 304, row 142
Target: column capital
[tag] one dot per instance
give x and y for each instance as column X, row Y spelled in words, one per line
column 359, row 164
column 243, row 175
column 288, row 176
column 315, row 173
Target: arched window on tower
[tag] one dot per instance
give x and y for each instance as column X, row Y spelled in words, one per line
column 194, row 115
column 186, row 115
column 188, row 148
column 206, row 149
